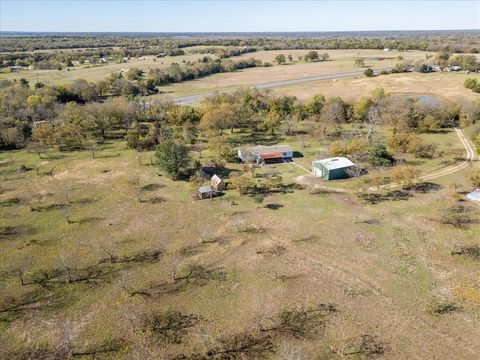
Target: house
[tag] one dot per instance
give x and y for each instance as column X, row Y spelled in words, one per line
column 332, row 168
column 474, row 196
column 265, row 154
column 217, row 183
column 206, row 192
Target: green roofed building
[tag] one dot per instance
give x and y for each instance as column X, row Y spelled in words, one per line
column 332, row 168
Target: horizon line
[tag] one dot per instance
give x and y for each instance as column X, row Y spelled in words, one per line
column 224, row 32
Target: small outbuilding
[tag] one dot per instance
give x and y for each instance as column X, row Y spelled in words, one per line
column 206, row 192
column 217, row 183
column 474, row 196
column 332, row 168
column 265, row 154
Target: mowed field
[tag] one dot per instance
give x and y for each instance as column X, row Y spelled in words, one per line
column 385, row 267
column 443, row 86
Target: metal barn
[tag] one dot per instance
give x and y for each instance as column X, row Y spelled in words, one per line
column 332, row 168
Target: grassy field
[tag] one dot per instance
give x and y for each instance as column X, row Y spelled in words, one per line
column 96, row 73
column 446, row 86
column 340, row 61
column 383, row 266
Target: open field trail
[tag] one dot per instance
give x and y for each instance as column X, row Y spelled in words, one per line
column 449, row 170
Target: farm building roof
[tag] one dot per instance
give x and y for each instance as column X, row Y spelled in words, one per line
column 271, row 155
column 205, row 189
column 264, row 149
column 335, row 163
column 474, row 195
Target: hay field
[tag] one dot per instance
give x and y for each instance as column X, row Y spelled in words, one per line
column 448, row 86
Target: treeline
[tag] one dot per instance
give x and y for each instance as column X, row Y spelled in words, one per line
column 206, row 66
column 223, row 53
column 428, row 41
column 64, row 59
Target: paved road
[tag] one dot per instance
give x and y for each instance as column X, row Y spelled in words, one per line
column 192, row 99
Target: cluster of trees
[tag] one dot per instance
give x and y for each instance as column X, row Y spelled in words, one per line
column 65, row 59
column 224, row 52
column 64, row 116
column 204, row 67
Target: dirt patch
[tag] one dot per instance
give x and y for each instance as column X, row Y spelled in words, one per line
column 315, row 185
column 348, row 202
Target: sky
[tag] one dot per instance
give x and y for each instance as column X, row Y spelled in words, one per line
column 236, row 16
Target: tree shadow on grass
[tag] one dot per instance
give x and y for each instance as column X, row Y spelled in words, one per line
column 425, row 187
column 14, row 232
column 273, row 206
column 106, row 156
column 50, row 207
column 85, row 220
column 376, row 198
column 152, row 187
column 10, row 202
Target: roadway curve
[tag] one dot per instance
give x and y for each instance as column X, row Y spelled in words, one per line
column 192, row 99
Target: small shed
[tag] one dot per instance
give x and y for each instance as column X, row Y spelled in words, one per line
column 474, row 196
column 206, row 192
column 332, row 168
column 217, row 183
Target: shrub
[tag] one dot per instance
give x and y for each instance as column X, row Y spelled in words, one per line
column 403, row 142
column 470, row 83
column 171, row 157
column 404, row 175
column 369, row 73
column 378, row 155
column 426, row 151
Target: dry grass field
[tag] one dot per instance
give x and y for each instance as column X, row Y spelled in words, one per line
column 95, row 73
column 446, row 86
column 386, row 268
column 340, row 61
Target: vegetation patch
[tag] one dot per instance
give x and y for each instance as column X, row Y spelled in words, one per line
column 171, row 326
column 472, row 252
